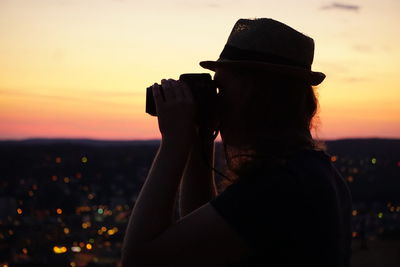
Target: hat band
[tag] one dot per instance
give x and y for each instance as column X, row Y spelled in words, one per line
column 234, row 53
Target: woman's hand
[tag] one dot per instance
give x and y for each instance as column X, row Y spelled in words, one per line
column 175, row 111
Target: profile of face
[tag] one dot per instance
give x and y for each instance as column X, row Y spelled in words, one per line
column 231, row 96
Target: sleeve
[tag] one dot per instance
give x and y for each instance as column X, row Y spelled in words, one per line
column 258, row 209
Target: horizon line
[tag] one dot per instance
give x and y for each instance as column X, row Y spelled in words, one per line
column 159, row 139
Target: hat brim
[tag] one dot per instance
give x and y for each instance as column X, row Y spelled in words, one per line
column 312, row 77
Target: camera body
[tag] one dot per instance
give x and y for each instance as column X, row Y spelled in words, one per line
column 204, row 91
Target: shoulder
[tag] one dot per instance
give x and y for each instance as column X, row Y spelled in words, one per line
column 201, row 238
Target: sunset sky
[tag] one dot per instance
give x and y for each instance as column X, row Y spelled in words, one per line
column 80, row 68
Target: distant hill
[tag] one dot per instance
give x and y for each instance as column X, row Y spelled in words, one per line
column 351, row 145
column 376, row 147
column 92, row 142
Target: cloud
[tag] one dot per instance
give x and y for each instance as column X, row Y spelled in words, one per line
column 362, row 48
column 357, row 79
column 85, row 97
column 334, row 67
column 341, row 6
column 213, row 5
column 99, row 93
column 209, row 4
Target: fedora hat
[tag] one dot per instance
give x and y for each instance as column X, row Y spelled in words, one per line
column 270, row 45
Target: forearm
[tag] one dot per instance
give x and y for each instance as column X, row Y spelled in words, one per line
column 197, row 185
column 154, row 207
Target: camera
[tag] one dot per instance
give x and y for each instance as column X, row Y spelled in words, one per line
column 204, row 91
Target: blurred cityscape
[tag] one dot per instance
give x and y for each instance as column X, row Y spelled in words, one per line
column 67, row 202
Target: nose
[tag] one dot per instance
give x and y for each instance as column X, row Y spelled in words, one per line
column 219, row 101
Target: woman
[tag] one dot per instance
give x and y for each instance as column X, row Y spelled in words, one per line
column 287, row 205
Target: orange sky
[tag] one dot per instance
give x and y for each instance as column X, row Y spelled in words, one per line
column 79, row 69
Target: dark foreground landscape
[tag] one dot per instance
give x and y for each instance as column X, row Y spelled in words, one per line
column 66, row 202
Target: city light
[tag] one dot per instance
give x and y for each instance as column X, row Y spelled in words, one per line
column 59, row 250
column 108, row 212
column 110, row 232
column 81, row 209
column 80, row 222
column 84, row 159
column 86, row 225
column 76, row 249
column 350, row 179
column 58, row 160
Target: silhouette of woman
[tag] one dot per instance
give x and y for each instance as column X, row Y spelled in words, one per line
column 285, row 205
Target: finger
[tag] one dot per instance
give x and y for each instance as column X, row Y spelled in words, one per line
column 182, row 89
column 179, row 91
column 168, row 91
column 187, row 92
column 158, row 99
column 159, row 91
column 154, row 89
column 175, row 89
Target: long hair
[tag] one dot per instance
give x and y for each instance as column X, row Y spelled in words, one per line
column 277, row 114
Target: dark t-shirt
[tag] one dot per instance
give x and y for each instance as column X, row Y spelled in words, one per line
column 296, row 215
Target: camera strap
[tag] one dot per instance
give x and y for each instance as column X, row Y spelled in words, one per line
column 204, row 140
